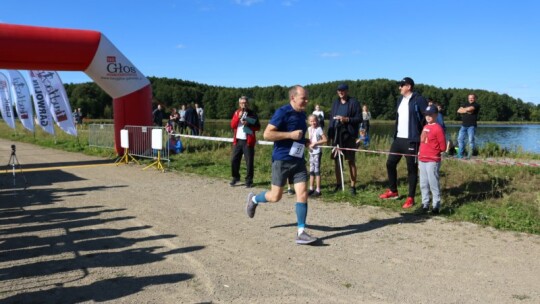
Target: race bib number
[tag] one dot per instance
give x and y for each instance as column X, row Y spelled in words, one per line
column 297, row 150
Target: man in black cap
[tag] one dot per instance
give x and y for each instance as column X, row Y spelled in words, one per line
column 409, row 123
column 345, row 119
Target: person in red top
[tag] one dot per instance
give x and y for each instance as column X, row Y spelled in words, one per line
column 432, row 144
column 244, row 124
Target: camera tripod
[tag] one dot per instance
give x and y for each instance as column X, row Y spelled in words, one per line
column 15, row 165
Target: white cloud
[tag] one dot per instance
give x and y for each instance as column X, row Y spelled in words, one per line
column 330, row 54
column 180, row 46
column 247, row 2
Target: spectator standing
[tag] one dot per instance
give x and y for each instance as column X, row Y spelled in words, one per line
column 366, row 117
column 410, row 121
column 469, row 118
column 182, row 119
column 320, row 115
column 78, row 117
column 287, row 129
column 345, row 119
column 244, row 124
column 158, row 116
column 432, row 144
column 173, row 118
column 440, row 118
column 316, row 138
column 192, row 120
column 200, row 114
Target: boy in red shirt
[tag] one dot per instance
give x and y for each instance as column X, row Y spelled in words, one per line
column 432, row 144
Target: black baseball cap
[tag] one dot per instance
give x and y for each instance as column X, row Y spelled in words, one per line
column 343, row 87
column 406, row 80
column 431, row 110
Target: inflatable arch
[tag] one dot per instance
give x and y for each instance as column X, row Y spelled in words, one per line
column 41, row 48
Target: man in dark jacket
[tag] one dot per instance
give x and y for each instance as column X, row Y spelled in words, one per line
column 345, row 119
column 244, row 124
column 409, row 123
column 192, row 119
column 158, row 116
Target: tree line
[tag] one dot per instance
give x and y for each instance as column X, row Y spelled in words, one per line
column 379, row 95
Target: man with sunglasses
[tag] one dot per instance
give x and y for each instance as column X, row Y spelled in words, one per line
column 409, row 123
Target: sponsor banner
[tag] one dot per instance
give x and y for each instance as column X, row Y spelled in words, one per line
column 7, row 106
column 21, row 99
column 113, row 72
column 59, row 107
column 41, row 104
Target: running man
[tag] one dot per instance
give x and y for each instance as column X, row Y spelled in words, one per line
column 287, row 130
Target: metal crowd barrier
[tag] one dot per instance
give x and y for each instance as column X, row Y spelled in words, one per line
column 140, row 142
column 101, row 135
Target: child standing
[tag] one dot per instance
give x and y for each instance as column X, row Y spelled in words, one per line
column 366, row 117
column 316, row 138
column 432, row 144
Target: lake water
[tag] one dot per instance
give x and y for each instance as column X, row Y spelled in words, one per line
column 506, row 136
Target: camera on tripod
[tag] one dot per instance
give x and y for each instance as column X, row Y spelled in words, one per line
column 15, row 166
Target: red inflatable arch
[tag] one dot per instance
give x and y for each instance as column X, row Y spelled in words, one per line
column 41, row 48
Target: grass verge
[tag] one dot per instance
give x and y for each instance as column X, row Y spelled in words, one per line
column 504, row 197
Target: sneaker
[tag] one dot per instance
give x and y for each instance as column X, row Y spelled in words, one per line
column 353, row 191
column 250, row 205
column 249, row 185
column 233, row 182
column 337, row 188
column 389, row 194
column 291, row 192
column 304, row 239
column 422, row 211
column 409, row 202
column 310, row 192
column 435, row 211
column 317, row 193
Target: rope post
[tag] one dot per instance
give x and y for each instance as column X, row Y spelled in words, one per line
column 341, row 168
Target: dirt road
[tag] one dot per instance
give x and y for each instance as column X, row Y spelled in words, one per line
column 88, row 231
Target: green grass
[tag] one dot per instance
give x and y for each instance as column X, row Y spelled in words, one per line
column 504, row 197
column 61, row 140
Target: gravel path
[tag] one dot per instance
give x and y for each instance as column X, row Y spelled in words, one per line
column 88, row 231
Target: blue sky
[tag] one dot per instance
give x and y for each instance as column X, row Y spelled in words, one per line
column 490, row 45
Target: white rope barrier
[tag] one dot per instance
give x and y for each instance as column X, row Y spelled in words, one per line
column 476, row 160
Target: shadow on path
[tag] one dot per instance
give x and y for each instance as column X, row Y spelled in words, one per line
column 335, row 232
column 44, row 247
column 100, row 291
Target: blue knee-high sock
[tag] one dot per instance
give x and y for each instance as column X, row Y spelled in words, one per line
column 301, row 214
column 260, row 198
